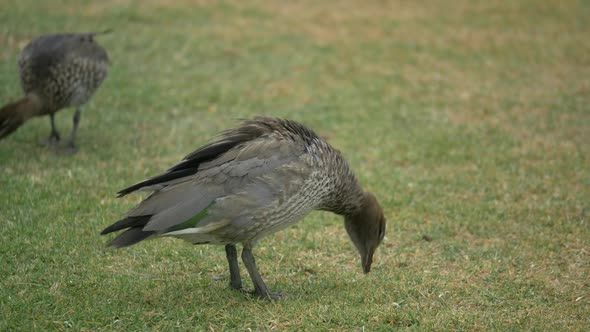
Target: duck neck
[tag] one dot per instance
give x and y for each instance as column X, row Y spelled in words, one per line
column 347, row 196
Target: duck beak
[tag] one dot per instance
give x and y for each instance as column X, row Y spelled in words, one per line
column 367, row 260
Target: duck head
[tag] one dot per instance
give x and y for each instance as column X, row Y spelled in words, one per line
column 366, row 229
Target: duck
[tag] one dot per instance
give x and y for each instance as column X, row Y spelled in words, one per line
column 56, row 71
column 249, row 182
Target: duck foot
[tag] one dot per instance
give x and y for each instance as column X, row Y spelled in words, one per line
column 260, row 288
column 267, row 296
column 70, row 148
column 52, row 140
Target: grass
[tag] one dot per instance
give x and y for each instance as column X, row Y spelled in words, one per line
column 470, row 120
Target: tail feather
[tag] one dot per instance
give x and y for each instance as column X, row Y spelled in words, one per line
column 136, row 221
column 104, row 32
column 13, row 115
column 99, row 33
column 91, row 35
column 132, row 235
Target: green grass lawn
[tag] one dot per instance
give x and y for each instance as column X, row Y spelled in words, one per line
column 470, row 120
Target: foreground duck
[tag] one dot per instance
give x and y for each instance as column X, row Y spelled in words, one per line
column 256, row 179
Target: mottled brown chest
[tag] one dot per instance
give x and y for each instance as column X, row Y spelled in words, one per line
column 63, row 84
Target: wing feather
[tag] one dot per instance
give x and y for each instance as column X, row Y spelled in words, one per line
column 248, row 168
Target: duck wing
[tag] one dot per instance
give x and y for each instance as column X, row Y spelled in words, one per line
column 183, row 196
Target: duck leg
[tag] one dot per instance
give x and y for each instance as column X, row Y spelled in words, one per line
column 54, row 135
column 71, row 147
column 234, row 270
column 260, row 288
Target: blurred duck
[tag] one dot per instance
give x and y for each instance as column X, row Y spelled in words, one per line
column 56, row 71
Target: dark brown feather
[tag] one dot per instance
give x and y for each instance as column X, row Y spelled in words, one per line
column 130, row 237
column 129, row 222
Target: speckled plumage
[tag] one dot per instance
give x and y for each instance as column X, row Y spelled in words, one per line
column 63, row 69
column 57, row 71
column 256, row 179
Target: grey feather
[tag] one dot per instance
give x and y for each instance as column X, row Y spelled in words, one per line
column 180, row 199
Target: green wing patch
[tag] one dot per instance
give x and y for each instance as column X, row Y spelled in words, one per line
column 194, row 221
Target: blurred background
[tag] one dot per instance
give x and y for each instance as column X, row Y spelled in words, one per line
column 470, row 120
